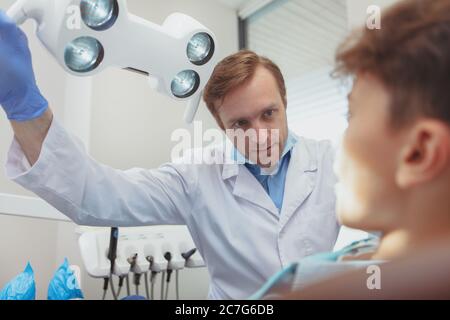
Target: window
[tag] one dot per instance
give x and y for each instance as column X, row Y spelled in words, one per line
column 302, row 36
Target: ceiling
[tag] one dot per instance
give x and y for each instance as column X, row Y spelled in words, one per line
column 234, row 4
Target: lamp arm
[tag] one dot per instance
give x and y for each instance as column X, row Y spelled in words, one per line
column 23, row 10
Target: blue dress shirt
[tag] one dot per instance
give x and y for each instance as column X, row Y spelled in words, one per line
column 273, row 183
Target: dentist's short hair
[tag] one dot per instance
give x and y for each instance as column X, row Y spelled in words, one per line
column 235, row 71
column 410, row 55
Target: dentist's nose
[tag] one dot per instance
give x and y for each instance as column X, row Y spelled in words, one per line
column 259, row 136
column 261, row 132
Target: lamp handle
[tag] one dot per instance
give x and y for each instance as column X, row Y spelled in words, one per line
column 192, row 108
column 16, row 12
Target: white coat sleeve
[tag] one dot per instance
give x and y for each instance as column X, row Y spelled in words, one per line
column 93, row 194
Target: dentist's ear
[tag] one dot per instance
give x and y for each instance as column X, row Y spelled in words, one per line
column 426, row 154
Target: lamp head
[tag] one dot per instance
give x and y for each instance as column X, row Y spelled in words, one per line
column 87, row 36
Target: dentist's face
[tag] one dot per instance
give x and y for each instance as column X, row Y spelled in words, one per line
column 256, row 115
column 367, row 195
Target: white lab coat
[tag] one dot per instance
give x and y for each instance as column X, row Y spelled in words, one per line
column 233, row 222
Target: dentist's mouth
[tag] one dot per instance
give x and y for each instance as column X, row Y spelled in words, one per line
column 262, row 150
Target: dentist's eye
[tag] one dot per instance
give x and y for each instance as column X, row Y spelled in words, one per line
column 269, row 113
column 240, row 123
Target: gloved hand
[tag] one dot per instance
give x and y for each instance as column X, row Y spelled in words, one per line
column 19, row 94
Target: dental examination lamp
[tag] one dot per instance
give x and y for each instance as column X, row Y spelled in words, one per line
column 87, row 36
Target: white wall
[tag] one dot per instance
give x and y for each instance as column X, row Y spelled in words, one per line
column 145, row 142
column 128, row 125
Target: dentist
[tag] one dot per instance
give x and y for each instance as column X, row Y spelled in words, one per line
column 248, row 220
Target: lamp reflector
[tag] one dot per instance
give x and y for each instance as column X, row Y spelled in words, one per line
column 99, row 14
column 200, row 48
column 83, row 54
column 185, row 84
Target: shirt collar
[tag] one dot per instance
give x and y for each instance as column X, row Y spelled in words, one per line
column 237, row 156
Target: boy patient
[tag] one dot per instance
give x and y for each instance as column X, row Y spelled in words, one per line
column 394, row 165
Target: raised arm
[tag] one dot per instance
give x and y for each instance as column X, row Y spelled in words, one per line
column 48, row 161
column 20, row 97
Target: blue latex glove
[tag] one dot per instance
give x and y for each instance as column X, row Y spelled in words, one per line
column 19, row 94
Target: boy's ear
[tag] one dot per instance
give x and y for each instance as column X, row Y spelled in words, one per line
column 425, row 155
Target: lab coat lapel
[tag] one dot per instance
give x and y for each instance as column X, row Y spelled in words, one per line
column 248, row 188
column 300, row 180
